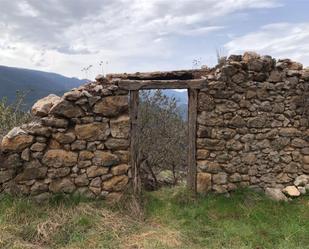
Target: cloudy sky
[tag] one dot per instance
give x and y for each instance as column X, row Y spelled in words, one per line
column 65, row 36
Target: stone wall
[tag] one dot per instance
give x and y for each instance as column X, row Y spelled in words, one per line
column 78, row 144
column 253, row 124
column 252, row 130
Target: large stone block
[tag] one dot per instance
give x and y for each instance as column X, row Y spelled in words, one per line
column 117, row 144
column 95, row 171
column 63, row 185
column 66, row 109
column 120, row 169
column 16, row 140
column 60, row 158
column 64, row 138
column 42, row 107
column 104, row 158
column 32, row 170
column 120, row 127
column 92, row 131
column 116, row 183
column 203, row 182
column 112, row 106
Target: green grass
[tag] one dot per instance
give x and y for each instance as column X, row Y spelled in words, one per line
column 171, row 219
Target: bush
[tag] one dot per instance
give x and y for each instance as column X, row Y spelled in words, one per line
column 14, row 114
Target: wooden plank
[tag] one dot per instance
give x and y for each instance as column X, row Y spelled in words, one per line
column 136, row 181
column 161, row 84
column 192, row 114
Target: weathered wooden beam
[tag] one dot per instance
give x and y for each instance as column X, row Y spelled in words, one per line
column 192, row 117
column 165, row 75
column 133, row 108
column 161, row 84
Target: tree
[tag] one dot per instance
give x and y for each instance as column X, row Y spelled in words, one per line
column 162, row 137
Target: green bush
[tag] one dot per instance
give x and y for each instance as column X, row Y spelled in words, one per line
column 13, row 114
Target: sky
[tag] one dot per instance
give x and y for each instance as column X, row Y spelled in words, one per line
column 67, row 36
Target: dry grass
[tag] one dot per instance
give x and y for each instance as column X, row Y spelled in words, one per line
column 171, row 219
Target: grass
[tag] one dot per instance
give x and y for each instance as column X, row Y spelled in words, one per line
column 171, row 219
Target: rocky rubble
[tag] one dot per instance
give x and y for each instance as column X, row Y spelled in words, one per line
column 78, row 145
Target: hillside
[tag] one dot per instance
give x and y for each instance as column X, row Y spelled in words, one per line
column 36, row 84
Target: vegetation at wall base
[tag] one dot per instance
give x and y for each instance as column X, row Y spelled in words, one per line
column 172, row 220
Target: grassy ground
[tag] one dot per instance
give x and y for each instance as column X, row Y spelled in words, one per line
column 171, row 219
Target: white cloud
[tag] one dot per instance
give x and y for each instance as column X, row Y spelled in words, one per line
column 282, row 40
column 64, row 36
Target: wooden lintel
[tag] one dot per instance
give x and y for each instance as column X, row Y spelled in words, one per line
column 161, row 84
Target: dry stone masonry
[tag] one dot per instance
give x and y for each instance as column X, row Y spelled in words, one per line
column 253, row 126
column 252, row 131
column 79, row 144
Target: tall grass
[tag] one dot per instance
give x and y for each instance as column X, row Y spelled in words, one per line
column 173, row 219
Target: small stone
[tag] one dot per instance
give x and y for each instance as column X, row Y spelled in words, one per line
column 25, row 155
column 55, row 122
column 116, row 183
column 236, row 177
column 301, row 180
column 291, row 191
column 85, row 155
column 6, row 175
column 95, row 171
column 220, row 178
column 299, row 143
column 38, row 147
column 120, row 169
column 64, row 185
column 73, row 95
column 79, row 145
column 302, row 190
column 275, row 194
column 202, row 154
column 41, row 198
column 64, row 138
column 81, row 180
column 115, row 143
column 96, row 182
column 58, row 172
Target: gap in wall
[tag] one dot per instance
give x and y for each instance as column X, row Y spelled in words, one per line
column 163, row 137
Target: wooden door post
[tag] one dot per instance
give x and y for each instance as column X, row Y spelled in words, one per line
column 192, row 120
column 136, row 181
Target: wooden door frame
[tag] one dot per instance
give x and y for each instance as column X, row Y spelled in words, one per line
column 193, row 87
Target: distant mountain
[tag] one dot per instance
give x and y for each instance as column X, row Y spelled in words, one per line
column 36, row 84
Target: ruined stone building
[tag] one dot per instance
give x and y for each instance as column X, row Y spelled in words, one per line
column 248, row 127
